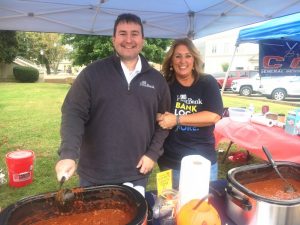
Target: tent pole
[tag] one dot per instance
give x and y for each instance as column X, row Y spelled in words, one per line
column 228, row 70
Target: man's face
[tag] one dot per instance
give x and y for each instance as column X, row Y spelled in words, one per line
column 128, row 40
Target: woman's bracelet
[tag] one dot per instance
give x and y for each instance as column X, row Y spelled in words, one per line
column 177, row 122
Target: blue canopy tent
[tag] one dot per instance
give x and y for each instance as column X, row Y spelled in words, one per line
column 161, row 18
column 281, row 28
column 287, row 27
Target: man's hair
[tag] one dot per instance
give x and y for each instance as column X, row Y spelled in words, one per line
column 128, row 18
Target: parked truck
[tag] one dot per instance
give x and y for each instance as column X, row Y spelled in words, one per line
column 273, row 87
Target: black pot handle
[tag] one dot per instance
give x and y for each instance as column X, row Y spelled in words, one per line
column 242, row 202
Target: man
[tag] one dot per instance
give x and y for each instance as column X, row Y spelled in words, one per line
column 109, row 114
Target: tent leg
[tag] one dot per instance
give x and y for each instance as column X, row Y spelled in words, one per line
column 227, row 151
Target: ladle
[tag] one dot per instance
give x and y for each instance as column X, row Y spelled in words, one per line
column 288, row 188
column 64, row 197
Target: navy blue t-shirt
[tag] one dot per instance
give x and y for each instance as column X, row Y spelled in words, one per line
column 204, row 95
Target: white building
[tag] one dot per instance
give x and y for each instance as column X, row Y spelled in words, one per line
column 219, row 48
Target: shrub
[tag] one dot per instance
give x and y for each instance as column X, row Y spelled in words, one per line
column 26, row 74
column 225, row 66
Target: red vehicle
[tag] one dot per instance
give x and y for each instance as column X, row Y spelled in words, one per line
column 233, row 75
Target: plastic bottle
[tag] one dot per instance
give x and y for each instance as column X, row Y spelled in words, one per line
column 251, row 109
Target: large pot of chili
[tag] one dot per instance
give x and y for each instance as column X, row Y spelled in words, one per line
column 256, row 195
column 105, row 205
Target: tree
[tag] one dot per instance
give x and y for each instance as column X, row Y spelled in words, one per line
column 8, row 46
column 25, row 46
column 54, row 51
column 42, row 48
column 154, row 49
column 225, row 66
column 87, row 48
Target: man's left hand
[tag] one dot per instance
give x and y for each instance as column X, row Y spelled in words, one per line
column 145, row 164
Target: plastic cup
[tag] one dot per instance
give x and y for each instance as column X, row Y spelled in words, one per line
column 281, row 117
column 225, row 112
column 264, row 109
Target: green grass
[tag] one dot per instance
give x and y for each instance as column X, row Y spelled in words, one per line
column 275, row 107
column 30, row 119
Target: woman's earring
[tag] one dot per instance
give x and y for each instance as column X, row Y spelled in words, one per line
column 171, row 68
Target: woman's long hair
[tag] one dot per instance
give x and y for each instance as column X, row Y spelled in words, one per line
column 167, row 69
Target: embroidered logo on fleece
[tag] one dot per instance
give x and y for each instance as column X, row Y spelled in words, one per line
column 145, row 84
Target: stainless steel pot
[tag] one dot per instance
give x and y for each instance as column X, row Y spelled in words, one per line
column 245, row 207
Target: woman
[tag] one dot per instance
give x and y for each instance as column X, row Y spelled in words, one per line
column 196, row 107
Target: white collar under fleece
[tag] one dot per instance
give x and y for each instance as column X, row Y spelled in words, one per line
column 131, row 74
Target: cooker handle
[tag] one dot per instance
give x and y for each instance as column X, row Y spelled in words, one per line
column 240, row 201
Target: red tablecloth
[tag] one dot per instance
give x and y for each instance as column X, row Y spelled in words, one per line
column 251, row 136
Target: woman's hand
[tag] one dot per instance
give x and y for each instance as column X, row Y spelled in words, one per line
column 166, row 120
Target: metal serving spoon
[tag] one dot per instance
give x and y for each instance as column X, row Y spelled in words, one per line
column 64, row 197
column 288, row 188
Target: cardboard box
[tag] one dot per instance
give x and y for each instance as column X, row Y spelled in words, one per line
column 292, row 124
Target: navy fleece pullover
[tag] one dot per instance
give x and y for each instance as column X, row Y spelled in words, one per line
column 109, row 125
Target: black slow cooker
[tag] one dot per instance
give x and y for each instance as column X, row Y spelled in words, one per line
column 42, row 207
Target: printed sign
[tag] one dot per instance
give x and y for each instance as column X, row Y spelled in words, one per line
column 279, row 58
column 164, row 181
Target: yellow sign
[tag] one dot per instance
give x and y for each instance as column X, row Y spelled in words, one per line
column 164, row 181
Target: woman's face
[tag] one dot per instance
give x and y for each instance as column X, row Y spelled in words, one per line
column 182, row 62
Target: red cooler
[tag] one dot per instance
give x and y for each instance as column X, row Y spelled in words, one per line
column 20, row 167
